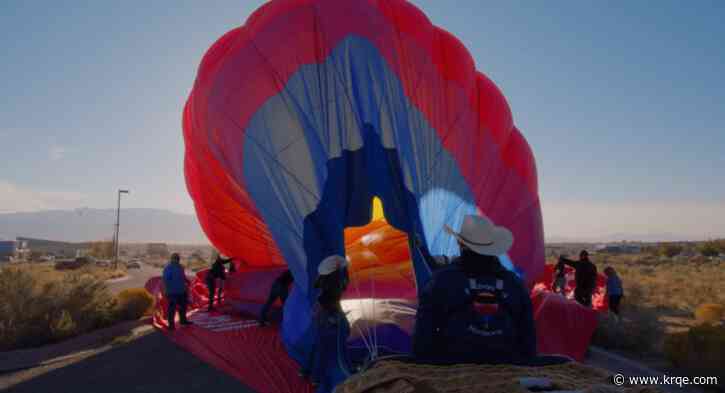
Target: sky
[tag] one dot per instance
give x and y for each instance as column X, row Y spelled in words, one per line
column 623, row 104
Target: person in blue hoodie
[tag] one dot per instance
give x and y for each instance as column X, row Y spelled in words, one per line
column 174, row 287
column 615, row 292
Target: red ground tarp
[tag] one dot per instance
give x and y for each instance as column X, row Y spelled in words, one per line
column 231, row 340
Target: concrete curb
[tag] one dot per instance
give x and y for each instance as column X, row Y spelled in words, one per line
column 117, row 280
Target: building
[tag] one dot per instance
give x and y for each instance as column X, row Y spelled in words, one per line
column 52, row 247
column 8, row 249
column 160, row 250
column 619, row 248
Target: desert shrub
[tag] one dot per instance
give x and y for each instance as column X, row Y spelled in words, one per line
column 669, row 249
column 675, row 348
column 638, row 330
column 68, row 265
column 709, row 313
column 635, row 295
column 134, row 303
column 34, row 313
column 700, row 351
column 709, row 249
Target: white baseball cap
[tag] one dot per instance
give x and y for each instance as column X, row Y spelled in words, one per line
column 331, row 264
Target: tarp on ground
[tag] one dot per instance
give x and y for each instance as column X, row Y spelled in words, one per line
column 231, row 340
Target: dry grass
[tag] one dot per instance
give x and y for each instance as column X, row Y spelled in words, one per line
column 675, row 285
column 45, row 272
column 637, row 331
column 41, row 305
column 709, row 313
column 665, row 301
column 701, row 350
column 133, row 303
column 35, row 312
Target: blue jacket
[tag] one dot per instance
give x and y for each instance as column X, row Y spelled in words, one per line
column 174, row 279
column 614, row 286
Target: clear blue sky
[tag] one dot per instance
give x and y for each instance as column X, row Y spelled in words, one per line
column 623, row 103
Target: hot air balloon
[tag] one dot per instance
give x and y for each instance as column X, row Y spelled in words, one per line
column 301, row 118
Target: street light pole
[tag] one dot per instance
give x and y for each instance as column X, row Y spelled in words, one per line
column 118, row 228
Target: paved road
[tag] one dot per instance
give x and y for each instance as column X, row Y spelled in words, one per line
column 148, row 364
column 136, row 278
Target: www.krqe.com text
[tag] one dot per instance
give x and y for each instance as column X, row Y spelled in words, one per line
column 681, row 381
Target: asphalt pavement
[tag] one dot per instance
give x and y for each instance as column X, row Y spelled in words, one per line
column 136, row 278
column 148, row 364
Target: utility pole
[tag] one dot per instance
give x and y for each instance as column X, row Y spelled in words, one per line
column 116, row 245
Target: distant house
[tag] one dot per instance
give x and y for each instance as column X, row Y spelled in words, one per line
column 51, row 247
column 619, row 248
column 157, row 250
column 7, row 250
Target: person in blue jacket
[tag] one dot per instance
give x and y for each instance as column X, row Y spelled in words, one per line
column 474, row 310
column 175, row 284
column 615, row 292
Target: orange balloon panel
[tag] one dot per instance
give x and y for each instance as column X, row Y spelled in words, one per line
column 379, row 260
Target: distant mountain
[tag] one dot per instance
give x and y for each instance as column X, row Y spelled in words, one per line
column 137, row 225
column 619, row 237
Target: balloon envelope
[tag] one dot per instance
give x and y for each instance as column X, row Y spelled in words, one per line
column 302, row 116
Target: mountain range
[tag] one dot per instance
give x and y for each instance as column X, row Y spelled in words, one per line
column 149, row 225
column 80, row 225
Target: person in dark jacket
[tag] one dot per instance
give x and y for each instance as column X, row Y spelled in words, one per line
column 585, row 277
column 474, row 310
column 216, row 273
column 559, row 282
column 174, row 289
column 279, row 290
column 329, row 363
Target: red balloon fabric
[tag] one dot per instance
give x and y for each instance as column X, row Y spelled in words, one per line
column 443, row 118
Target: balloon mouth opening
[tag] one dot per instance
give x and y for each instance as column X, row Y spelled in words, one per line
column 379, row 254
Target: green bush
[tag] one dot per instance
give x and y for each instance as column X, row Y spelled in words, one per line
column 33, row 314
column 669, row 249
column 134, row 303
column 709, row 248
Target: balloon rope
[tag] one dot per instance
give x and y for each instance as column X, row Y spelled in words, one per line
column 374, row 355
column 340, row 363
column 368, row 346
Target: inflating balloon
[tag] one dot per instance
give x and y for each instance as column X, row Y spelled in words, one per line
column 303, row 116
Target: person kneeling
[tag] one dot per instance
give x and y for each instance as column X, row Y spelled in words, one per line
column 474, row 310
column 279, row 290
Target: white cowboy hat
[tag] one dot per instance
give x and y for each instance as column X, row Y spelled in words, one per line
column 483, row 237
column 331, row 264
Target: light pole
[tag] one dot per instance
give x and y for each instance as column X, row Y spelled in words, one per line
column 118, row 228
